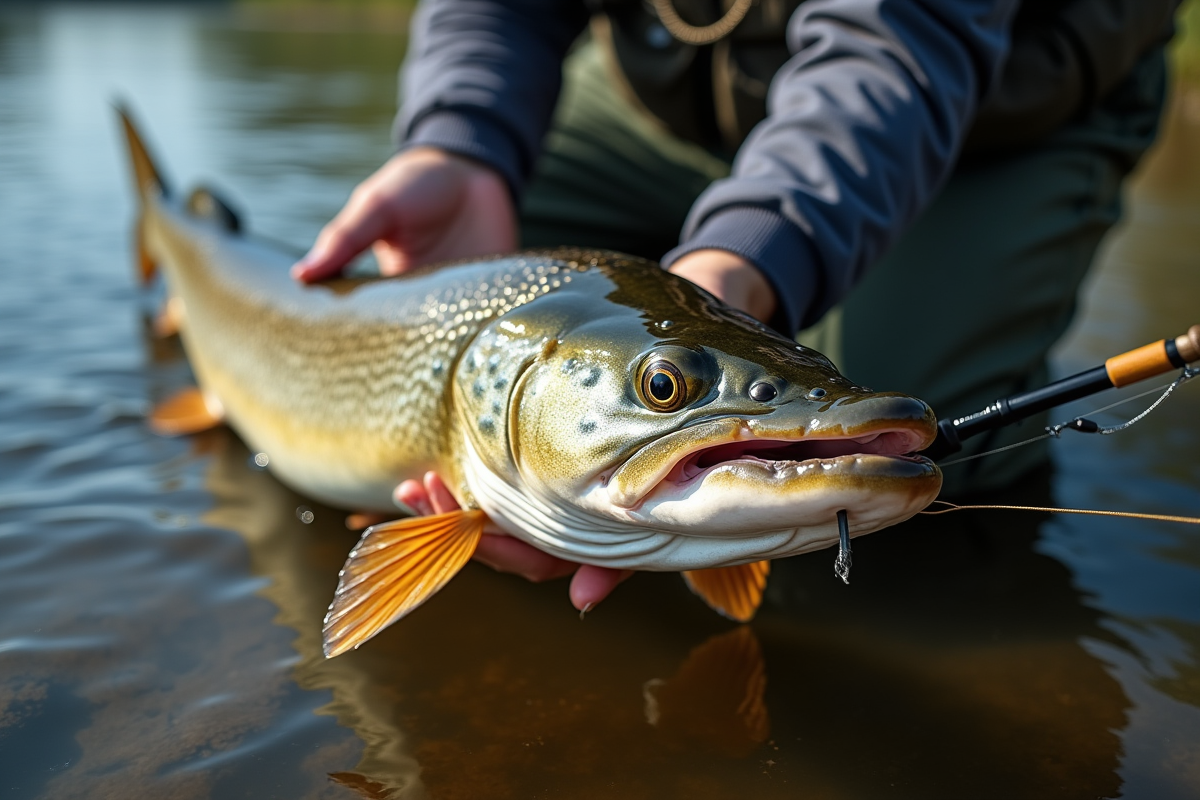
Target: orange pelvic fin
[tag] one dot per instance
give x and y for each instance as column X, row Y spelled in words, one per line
column 189, row 411
column 394, row 568
column 733, row 592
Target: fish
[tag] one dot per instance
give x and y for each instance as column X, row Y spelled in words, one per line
column 586, row 402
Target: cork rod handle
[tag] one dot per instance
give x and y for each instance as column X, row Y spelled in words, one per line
column 1154, row 359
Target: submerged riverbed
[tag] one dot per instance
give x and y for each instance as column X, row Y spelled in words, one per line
column 161, row 600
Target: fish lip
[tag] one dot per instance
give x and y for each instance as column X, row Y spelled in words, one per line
column 896, row 439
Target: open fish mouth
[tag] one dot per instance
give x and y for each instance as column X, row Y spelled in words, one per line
column 783, row 454
column 735, row 484
column 763, row 454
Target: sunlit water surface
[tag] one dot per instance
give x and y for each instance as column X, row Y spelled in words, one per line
column 161, row 599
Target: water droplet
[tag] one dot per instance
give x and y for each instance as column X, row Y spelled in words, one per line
column 261, row 460
column 305, row 514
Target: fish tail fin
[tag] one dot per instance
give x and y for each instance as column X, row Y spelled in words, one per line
column 148, row 182
column 146, row 177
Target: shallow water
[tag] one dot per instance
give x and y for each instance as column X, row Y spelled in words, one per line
column 162, row 599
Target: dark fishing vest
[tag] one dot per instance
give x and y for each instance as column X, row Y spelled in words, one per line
column 702, row 67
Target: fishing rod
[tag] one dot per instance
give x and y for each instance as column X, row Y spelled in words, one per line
column 1122, row 370
column 1128, row 368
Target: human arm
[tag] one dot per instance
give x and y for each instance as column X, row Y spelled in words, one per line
column 479, row 87
column 864, row 124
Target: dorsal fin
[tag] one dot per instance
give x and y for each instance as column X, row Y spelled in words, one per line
column 206, row 204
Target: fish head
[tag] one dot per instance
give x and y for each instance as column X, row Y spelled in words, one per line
column 644, row 409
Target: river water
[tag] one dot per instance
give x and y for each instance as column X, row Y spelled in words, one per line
column 162, row 598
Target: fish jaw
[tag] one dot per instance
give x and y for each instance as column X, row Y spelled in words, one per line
column 746, row 496
column 741, row 477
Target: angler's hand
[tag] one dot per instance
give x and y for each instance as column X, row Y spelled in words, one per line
column 424, row 205
column 731, row 278
column 504, row 553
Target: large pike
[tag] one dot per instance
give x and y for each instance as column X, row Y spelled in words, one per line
column 589, row 403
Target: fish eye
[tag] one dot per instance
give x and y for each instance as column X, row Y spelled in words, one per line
column 663, row 386
column 671, row 377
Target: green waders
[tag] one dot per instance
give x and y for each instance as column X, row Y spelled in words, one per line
column 960, row 313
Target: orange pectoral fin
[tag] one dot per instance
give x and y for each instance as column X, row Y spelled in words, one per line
column 394, row 568
column 189, row 411
column 734, row 592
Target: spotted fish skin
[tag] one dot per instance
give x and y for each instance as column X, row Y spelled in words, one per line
column 345, row 384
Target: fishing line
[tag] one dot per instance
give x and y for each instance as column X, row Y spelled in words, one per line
column 1083, row 425
column 1093, row 512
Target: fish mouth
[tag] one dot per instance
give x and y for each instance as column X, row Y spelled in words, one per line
column 775, row 458
column 783, row 454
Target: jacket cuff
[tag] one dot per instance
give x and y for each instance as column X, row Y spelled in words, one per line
column 473, row 136
column 777, row 247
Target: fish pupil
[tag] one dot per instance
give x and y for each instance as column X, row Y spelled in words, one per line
column 662, row 387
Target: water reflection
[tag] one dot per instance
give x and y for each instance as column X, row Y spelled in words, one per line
column 959, row 652
column 1144, row 576
column 476, row 694
column 163, row 602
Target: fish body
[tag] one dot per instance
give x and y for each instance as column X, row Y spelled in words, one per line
column 590, row 403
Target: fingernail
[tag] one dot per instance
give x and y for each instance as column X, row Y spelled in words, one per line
column 306, row 261
column 583, row 611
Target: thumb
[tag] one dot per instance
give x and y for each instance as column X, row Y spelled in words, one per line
column 351, row 232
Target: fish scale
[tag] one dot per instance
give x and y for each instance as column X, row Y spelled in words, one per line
column 349, row 379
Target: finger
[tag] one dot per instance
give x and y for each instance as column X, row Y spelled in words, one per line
column 506, row 554
column 353, row 230
column 391, row 259
column 413, row 495
column 439, row 495
column 592, row 584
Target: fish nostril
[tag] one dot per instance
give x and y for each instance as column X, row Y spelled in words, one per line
column 763, row 392
column 816, row 393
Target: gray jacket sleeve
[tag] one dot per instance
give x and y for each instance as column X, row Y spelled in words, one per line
column 864, row 124
column 482, row 78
